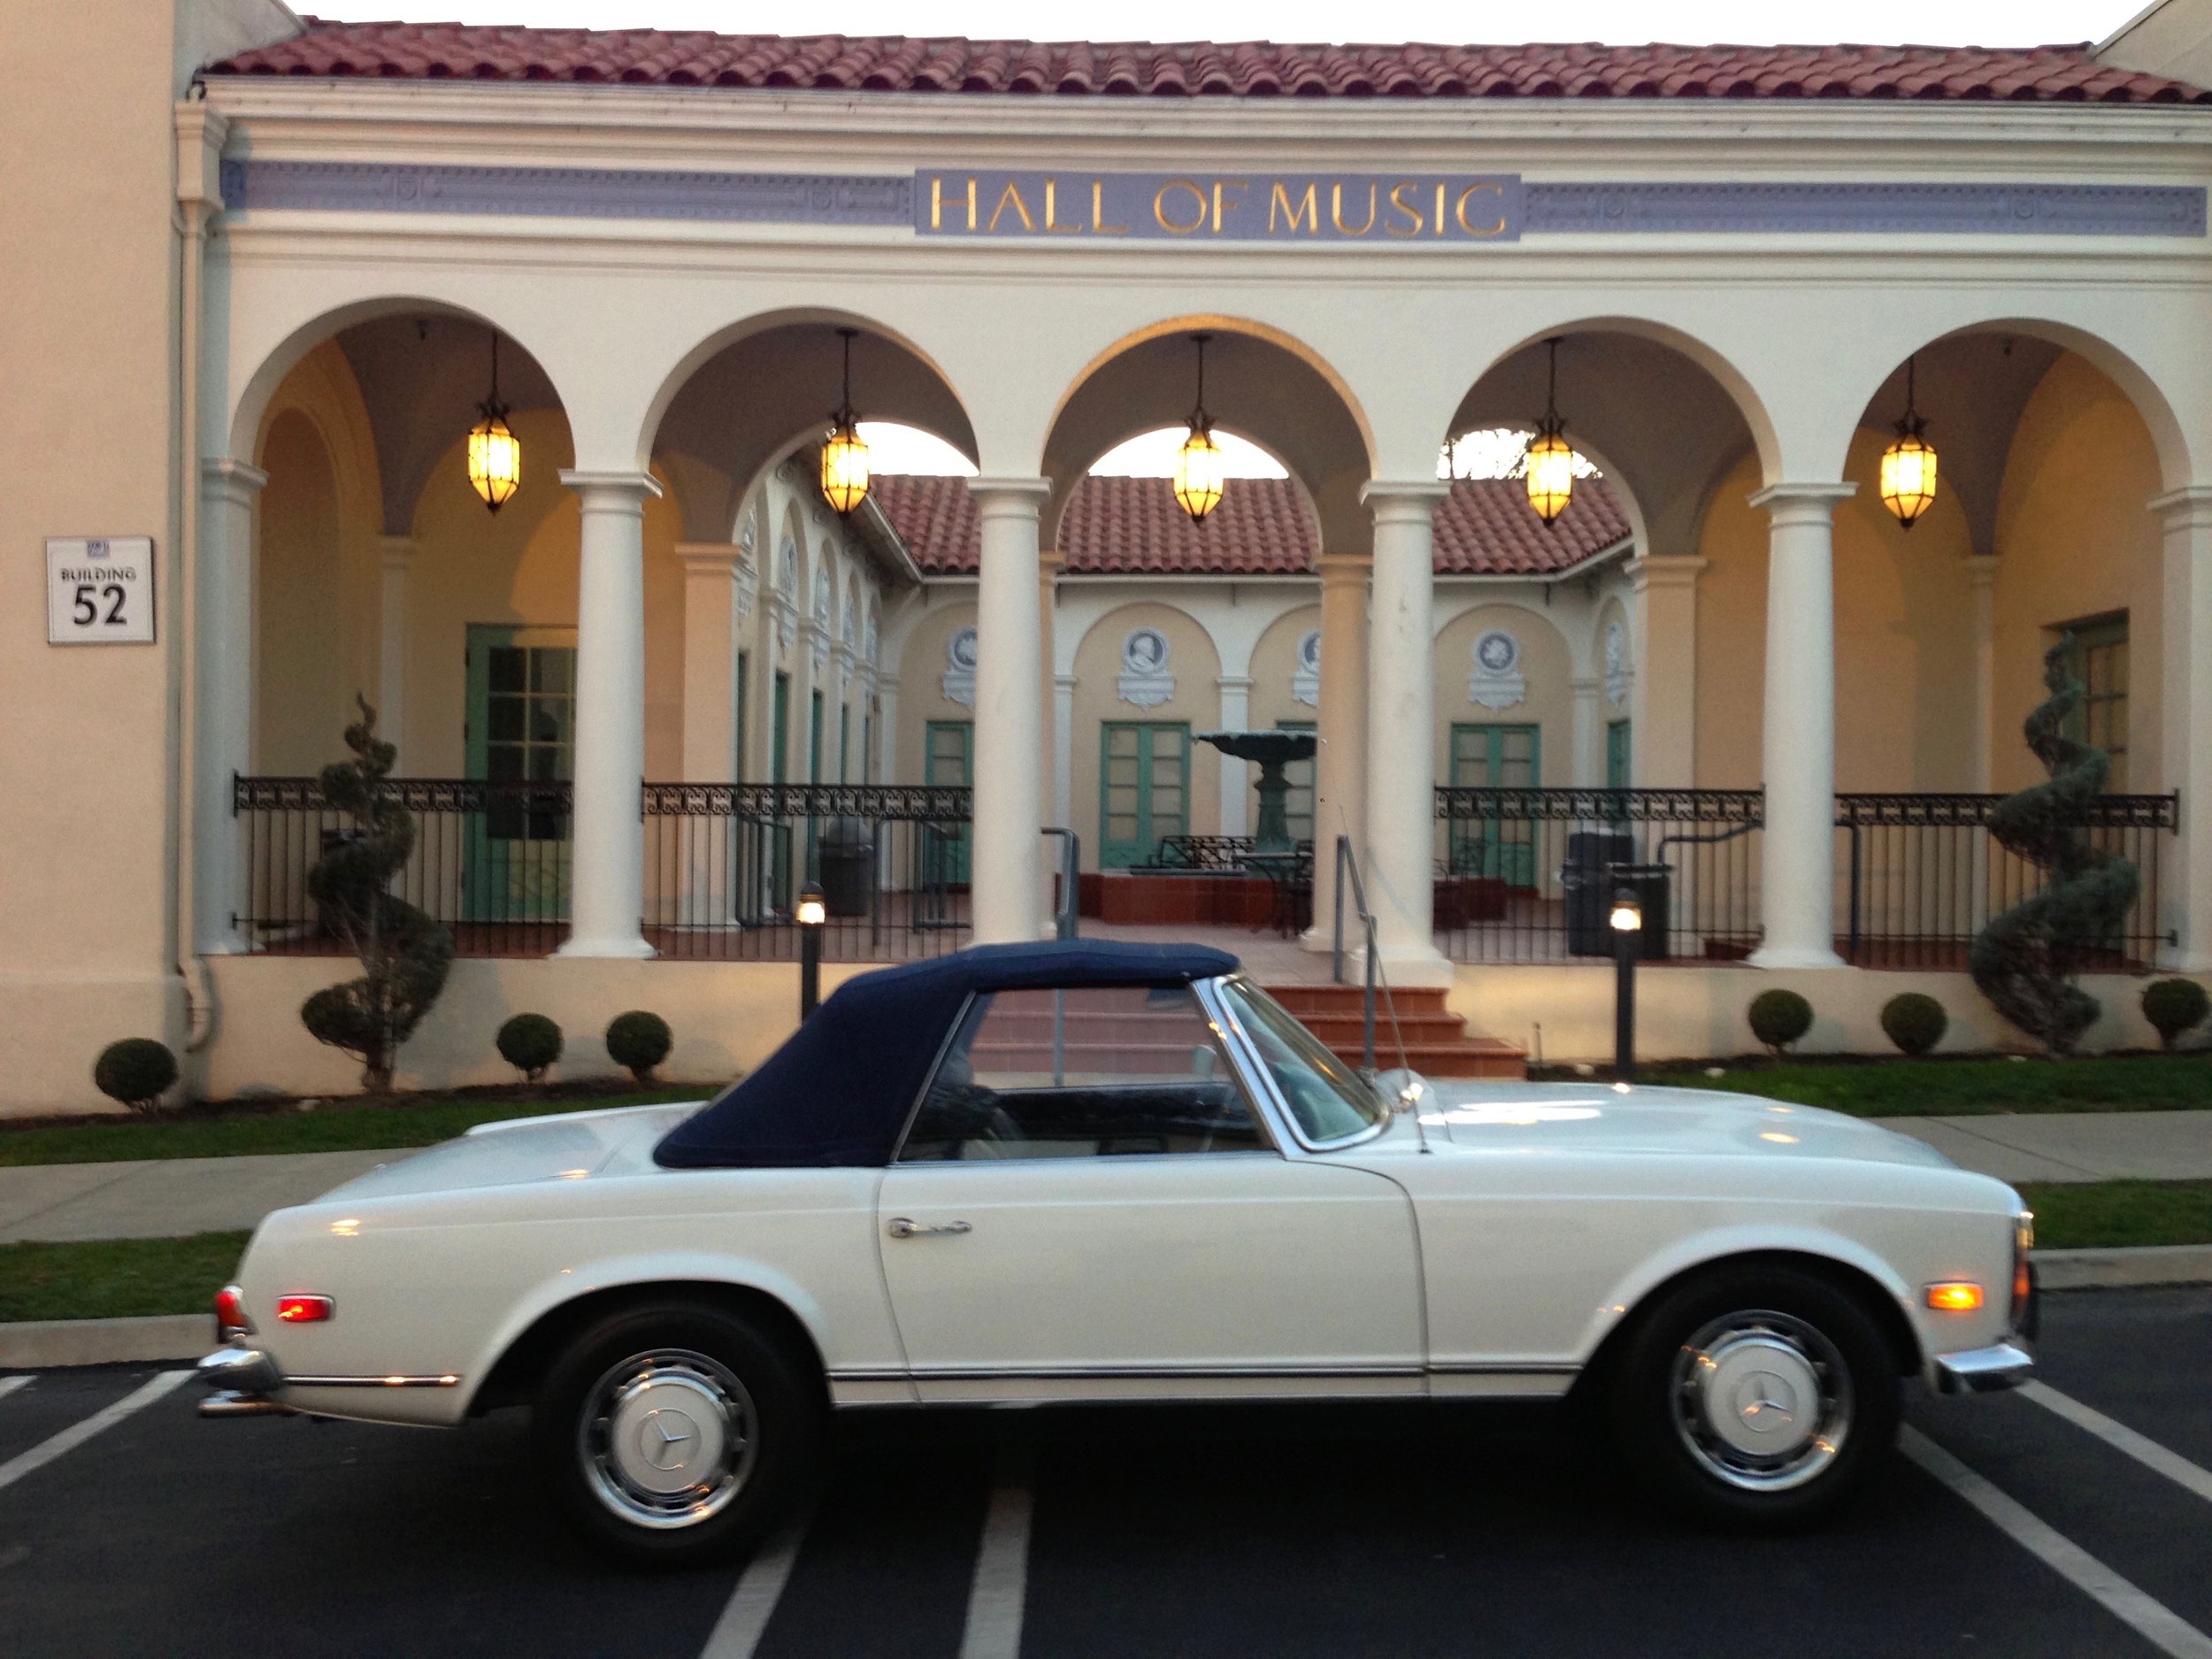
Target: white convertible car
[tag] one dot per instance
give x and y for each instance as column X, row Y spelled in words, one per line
column 1091, row 1171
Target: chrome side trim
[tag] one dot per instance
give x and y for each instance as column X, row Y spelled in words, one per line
column 1984, row 1369
column 446, row 1380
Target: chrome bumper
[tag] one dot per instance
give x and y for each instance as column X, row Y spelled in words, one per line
column 1982, row 1371
column 244, row 1382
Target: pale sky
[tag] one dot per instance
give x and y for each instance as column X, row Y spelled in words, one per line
column 1749, row 22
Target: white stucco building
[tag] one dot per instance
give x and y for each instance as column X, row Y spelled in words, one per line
column 258, row 272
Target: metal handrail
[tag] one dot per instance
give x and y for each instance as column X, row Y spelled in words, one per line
column 1067, row 922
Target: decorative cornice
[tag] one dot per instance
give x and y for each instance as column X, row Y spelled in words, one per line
column 2189, row 507
column 1647, row 572
column 637, row 486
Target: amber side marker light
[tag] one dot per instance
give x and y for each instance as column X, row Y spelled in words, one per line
column 304, row 1309
column 1956, row 1297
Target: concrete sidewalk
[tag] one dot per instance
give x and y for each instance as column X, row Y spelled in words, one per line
column 171, row 1197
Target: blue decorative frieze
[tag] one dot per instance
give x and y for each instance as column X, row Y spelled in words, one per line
column 568, row 192
column 2034, row 210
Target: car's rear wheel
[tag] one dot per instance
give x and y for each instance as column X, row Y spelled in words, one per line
column 1758, row 1395
column 676, row 1431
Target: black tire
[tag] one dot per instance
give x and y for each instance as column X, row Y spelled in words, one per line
column 1756, row 1396
column 736, row 1431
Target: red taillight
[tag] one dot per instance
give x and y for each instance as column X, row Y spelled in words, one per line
column 303, row 1310
column 230, row 1309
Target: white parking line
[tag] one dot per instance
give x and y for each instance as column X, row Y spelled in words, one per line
column 738, row 1631
column 77, row 1433
column 1001, row 1564
column 2152, row 1619
column 2145, row 1450
column 9, row 1385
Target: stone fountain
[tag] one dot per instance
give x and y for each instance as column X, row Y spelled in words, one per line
column 1270, row 752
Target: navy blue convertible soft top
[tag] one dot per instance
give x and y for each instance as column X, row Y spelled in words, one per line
column 838, row 1093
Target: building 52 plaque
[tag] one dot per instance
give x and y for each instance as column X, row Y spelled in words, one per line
column 100, row 590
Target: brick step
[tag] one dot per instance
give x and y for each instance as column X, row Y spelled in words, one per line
column 1470, row 1058
column 1416, row 1027
column 1335, row 999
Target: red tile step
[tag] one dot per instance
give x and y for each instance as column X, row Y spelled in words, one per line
column 1435, row 1040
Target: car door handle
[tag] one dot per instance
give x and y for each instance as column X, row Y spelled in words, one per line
column 904, row 1227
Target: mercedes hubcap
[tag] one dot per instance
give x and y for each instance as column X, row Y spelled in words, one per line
column 1762, row 1400
column 667, row 1438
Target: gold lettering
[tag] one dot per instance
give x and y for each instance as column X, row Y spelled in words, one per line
column 1440, row 207
column 1307, row 209
column 1012, row 193
column 1051, row 209
column 1219, row 185
column 937, row 204
column 1098, row 211
column 1159, row 207
column 1399, row 204
column 1336, row 211
column 1460, row 211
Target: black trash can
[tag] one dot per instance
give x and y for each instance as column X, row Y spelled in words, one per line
column 848, row 854
column 1591, row 855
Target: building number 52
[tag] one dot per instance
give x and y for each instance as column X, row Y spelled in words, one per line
column 85, row 609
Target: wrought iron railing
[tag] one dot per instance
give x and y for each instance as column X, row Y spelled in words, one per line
column 1921, row 875
column 723, row 865
column 1528, row 875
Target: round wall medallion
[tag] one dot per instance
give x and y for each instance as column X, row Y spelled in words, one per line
column 1145, row 651
column 1497, row 652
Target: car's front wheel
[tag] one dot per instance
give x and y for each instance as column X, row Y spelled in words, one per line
column 1760, row 1394
column 675, row 1431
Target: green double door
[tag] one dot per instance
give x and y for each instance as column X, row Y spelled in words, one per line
column 1485, row 757
column 1143, row 788
column 521, row 728
column 947, row 761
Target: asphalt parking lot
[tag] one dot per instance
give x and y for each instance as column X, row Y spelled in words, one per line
column 130, row 1526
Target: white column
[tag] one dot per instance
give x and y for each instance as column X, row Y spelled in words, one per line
column 1236, row 783
column 1981, row 575
column 1398, row 861
column 606, row 890
column 398, row 553
column 709, row 730
column 1798, row 739
column 1063, row 749
column 223, row 728
column 2185, row 721
column 1340, row 761
column 1662, row 660
column 1009, row 859
column 1589, row 736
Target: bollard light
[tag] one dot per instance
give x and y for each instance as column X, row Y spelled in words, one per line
column 811, row 913
column 1627, row 920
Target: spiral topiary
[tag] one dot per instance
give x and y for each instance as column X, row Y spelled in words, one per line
column 530, row 1044
column 1778, row 1018
column 2172, row 1006
column 2025, row 961
column 137, row 1071
column 1914, row 1023
column 404, row 955
column 638, row 1041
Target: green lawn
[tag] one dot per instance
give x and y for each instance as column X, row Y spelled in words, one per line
column 1911, row 1088
column 338, row 1129
column 2094, row 1214
column 108, row 1279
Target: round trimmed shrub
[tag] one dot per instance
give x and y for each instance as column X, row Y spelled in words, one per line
column 2172, row 1006
column 1778, row 1018
column 137, row 1071
column 530, row 1044
column 638, row 1041
column 1914, row 1023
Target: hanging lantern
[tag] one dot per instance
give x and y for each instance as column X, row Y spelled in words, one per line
column 1199, row 466
column 1909, row 465
column 844, row 452
column 1550, row 464
column 495, row 452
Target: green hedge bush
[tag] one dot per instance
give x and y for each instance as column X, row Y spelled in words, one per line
column 639, row 1041
column 2173, row 1006
column 1914, row 1023
column 137, row 1071
column 530, row 1044
column 1778, row 1018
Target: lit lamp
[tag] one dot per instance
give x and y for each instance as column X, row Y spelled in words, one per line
column 1909, row 465
column 495, row 452
column 844, row 453
column 813, row 913
column 1198, row 464
column 1627, row 920
column 1550, row 466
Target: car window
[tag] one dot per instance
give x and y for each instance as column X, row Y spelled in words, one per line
column 1327, row 1097
column 1095, row 1071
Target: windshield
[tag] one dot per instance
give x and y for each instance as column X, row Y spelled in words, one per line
column 1325, row 1096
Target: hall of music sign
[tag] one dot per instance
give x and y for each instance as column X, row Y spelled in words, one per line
column 1382, row 209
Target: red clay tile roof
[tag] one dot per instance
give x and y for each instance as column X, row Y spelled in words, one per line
column 1132, row 526
column 900, row 64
